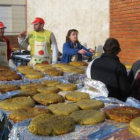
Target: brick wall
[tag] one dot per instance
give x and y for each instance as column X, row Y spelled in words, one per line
column 14, row 41
column 125, row 26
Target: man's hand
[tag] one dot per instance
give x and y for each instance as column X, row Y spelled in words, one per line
column 82, row 51
column 23, row 34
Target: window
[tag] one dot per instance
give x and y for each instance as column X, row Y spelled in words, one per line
column 14, row 18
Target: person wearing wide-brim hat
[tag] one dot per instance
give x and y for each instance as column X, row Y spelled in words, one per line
column 42, row 42
column 5, row 47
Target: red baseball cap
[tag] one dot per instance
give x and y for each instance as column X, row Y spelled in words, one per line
column 38, row 20
column 2, row 25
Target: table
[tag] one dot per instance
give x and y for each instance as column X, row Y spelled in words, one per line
column 22, row 59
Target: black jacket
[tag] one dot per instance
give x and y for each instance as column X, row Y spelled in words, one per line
column 109, row 70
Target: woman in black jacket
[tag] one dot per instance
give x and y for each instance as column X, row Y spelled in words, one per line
column 109, row 70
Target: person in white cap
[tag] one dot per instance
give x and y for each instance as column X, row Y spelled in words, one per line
column 42, row 42
column 5, row 47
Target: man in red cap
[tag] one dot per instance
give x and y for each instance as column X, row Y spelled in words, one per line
column 42, row 43
column 5, row 47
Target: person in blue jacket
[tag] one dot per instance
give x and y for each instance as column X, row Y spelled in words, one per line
column 72, row 49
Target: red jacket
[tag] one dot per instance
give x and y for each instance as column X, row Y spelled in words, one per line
column 9, row 48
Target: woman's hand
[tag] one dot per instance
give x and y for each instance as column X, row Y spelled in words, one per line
column 92, row 51
column 82, row 51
